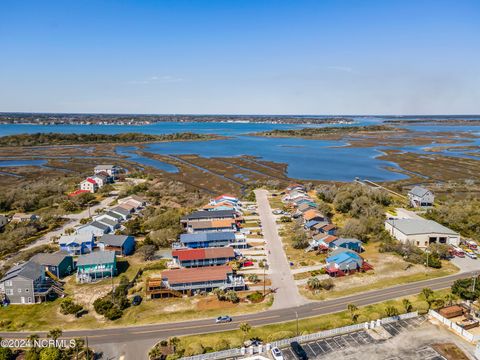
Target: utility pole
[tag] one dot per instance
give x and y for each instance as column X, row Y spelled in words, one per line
column 265, row 267
column 296, row 317
column 87, row 353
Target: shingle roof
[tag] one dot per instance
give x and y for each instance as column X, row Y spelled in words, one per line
column 98, row 225
column 113, row 240
column 198, row 215
column 225, row 223
column 208, row 236
column 341, row 241
column 311, row 214
column 114, row 215
column 418, row 191
column 108, row 221
column 97, row 257
column 201, row 254
column 53, row 259
column 120, row 210
column 420, row 226
column 193, row 275
column 29, row 270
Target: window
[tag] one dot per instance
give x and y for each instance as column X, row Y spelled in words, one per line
column 8, row 283
column 27, row 290
column 29, row 299
column 9, row 291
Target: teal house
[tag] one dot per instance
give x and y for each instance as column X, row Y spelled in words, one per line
column 96, row 266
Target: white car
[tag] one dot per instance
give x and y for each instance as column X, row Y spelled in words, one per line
column 471, row 255
column 277, row 353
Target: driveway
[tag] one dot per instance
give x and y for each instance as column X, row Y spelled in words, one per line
column 466, row 264
column 407, row 214
column 287, row 294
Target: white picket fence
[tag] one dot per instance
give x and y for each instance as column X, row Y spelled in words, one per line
column 301, row 339
column 458, row 329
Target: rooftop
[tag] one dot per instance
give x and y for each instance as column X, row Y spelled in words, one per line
column 196, row 275
column 208, row 236
column 29, row 270
column 113, row 240
column 418, row 191
column 200, row 254
column 210, row 214
column 53, row 259
column 96, row 258
column 419, row 226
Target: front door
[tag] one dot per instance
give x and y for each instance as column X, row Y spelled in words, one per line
column 22, row 300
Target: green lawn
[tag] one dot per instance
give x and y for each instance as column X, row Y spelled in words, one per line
column 269, row 333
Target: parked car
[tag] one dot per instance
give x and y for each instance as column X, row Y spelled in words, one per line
column 223, row 319
column 298, row 351
column 137, row 300
column 277, row 354
column 248, row 263
column 277, row 212
column 471, row 254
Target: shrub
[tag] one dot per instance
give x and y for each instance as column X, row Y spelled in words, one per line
column 101, row 306
column 113, row 313
column 255, row 297
column 68, row 306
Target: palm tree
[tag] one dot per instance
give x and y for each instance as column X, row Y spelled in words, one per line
column 352, row 308
column 450, row 298
column 428, row 295
column 407, row 305
column 245, row 329
column 391, row 311
column 173, row 342
column 55, row 333
column 314, row 284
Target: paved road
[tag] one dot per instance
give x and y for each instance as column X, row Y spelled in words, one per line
column 287, row 294
column 136, row 340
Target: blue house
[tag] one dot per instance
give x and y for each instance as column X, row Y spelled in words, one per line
column 120, row 244
column 77, row 244
column 310, row 224
column 352, row 244
column 343, row 261
column 207, row 239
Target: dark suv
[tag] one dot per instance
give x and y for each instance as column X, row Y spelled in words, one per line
column 298, row 350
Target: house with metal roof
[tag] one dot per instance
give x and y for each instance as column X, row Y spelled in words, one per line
column 111, row 170
column 122, row 245
column 27, row 283
column 208, row 239
column 77, row 243
column 96, row 266
column 421, row 232
column 203, row 256
column 124, row 213
column 59, row 264
column 343, row 261
column 194, row 280
column 421, row 197
column 346, row 243
column 113, row 225
column 203, row 215
column 95, row 228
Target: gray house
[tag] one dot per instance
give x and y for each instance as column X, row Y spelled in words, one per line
column 421, row 197
column 60, row 264
column 3, row 221
column 28, row 284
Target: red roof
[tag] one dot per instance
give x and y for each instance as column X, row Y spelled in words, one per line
column 225, row 196
column 329, row 227
column 91, row 181
column 329, row 239
column 191, row 275
column 201, row 254
column 78, row 192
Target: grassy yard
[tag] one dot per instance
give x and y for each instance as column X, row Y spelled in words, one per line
column 45, row 316
column 276, row 202
column 389, row 270
column 299, row 257
column 279, row 331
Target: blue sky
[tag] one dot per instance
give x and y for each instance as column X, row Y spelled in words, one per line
column 241, row 56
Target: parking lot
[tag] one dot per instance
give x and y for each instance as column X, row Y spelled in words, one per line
column 348, row 346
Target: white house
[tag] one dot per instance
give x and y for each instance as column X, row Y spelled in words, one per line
column 100, row 179
column 421, row 232
column 420, row 197
column 111, row 170
column 89, row 185
column 3, row 221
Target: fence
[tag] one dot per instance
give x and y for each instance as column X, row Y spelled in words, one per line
column 458, row 329
column 301, row 339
